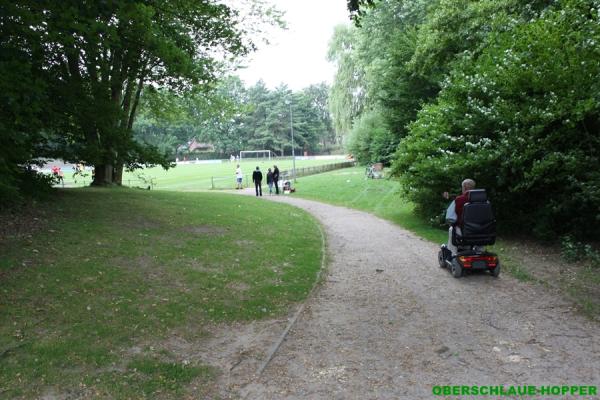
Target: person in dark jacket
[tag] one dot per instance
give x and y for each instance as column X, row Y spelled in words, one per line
column 257, row 179
column 270, row 181
column 276, row 178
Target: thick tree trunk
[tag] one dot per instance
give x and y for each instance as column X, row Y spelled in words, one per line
column 117, row 177
column 103, row 175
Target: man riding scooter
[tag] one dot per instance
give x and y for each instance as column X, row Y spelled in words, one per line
column 472, row 226
column 459, row 203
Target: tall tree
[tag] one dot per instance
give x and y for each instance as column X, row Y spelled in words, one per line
column 102, row 54
column 24, row 110
column 89, row 62
column 346, row 96
column 317, row 99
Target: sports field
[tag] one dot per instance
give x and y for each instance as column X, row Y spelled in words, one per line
column 202, row 176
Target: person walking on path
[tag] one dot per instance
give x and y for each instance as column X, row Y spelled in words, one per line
column 239, row 177
column 276, row 178
column 257, row 179
column 270, row 181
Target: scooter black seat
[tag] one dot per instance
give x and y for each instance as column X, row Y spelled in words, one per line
column 478, row 226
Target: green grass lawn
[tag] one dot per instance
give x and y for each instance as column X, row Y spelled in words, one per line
column 192, row 177
column 348, row 187
column 88, row 301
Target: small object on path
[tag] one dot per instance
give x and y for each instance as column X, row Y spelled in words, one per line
column 442, row 349
column 379, row 270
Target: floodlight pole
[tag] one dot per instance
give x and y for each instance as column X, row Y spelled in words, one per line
column 292, row 131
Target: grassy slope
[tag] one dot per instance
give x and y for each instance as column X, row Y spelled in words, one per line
column 115, row 270
column 186, row 177
column 348, row 187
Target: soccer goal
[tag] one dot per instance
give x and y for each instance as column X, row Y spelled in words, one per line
column 253, row 154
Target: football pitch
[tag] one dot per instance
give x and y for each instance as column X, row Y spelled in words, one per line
column 201, row 176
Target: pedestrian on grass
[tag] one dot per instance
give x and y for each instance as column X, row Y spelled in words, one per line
column 257, row 179
column 58, row 174
column 239, row 177
column 270, row 181
column 276, row 178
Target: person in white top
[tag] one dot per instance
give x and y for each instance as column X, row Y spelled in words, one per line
column 239, row 177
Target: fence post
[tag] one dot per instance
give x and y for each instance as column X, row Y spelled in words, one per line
column 212, row 182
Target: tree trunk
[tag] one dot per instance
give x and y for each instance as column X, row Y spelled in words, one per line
column 117, row 177
column 103, row 175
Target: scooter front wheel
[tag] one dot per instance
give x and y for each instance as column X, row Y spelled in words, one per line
column 441, row 259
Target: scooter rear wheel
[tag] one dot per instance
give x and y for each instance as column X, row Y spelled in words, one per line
column 496, row 271
column 456, row 269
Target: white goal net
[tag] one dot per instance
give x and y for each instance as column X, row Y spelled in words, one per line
column 254, row 154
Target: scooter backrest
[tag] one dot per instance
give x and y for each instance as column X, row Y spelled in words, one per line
column 477, row 196
column 479, row 224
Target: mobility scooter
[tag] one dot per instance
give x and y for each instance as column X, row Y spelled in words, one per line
column 478, row 229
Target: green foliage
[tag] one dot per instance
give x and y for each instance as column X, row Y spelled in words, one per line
column 373, row 71
column 72, row 74
column 505, row 92
column 370, row 140
column 522, row 119
column 574, row 251
column 24, row 101
column 233, row 118
column 346, row 96
column 454, row 27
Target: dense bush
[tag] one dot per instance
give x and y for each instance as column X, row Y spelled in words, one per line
column 523, row 119
column 370, row 140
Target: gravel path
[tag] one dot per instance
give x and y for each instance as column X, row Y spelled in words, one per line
column 388, row 323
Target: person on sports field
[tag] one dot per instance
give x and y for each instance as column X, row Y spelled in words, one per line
column 257, row 179
column 270, row 181
column 239, row 177
column 276, row 178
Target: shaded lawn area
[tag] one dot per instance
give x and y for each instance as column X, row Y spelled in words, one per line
column 115, row 269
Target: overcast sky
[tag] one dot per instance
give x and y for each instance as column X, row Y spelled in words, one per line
column 298, row 56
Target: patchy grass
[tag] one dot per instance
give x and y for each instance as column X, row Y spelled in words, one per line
column 514, row 268
column 113, row 270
